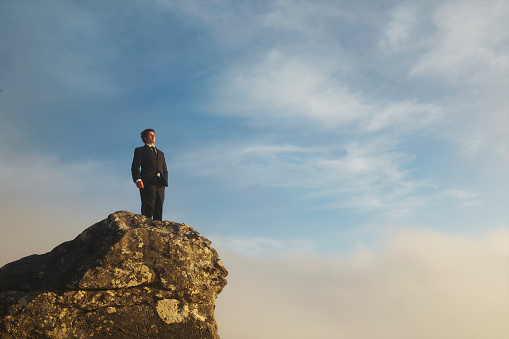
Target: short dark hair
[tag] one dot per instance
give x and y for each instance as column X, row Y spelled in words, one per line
column 145, row 133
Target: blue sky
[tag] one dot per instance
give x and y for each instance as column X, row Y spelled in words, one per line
column 294, row 132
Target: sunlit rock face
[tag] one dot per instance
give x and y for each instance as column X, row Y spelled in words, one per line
column 125, row 277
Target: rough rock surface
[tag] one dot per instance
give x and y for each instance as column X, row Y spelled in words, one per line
column 124, row 277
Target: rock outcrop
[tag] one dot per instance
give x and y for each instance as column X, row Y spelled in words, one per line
column 124, row 277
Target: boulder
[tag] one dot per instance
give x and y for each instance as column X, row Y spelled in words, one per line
column 125, row 277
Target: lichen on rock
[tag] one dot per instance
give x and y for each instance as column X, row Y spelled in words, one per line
column 126, row 277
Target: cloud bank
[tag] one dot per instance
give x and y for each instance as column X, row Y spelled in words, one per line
column 412, row 284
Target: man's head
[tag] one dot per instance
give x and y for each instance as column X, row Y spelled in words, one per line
column 148, row 136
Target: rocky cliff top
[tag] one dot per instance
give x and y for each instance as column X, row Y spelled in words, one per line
column 125, row 276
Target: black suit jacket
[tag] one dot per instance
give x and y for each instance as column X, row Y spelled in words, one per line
column 150, row 165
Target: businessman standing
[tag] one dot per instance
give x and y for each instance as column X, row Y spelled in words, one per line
column 153, row 177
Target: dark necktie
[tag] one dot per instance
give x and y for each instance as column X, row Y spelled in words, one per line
column 153, row 149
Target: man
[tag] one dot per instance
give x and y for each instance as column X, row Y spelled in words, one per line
column 153, row 177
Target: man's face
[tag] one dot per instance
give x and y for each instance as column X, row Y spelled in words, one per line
column 150, row 138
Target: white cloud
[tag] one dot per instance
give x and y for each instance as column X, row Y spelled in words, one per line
column 414, row 284
column 467, row 199
column 470, row 45
column 363, row 177
column 291, row 165
column 367, row 177
column 461, row 194
column 399, row 30
column 465, row 53
column 297, row 90
column 402, row 116
column 285, row 88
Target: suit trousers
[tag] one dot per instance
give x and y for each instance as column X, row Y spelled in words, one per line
column 152, row 198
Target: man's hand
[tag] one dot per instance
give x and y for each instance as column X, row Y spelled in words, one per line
column 139, row 184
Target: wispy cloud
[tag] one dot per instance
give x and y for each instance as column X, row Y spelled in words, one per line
column 362, row 177
column 399, row 30
column 470, row 44
column 294, row 90
column 467, row 199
